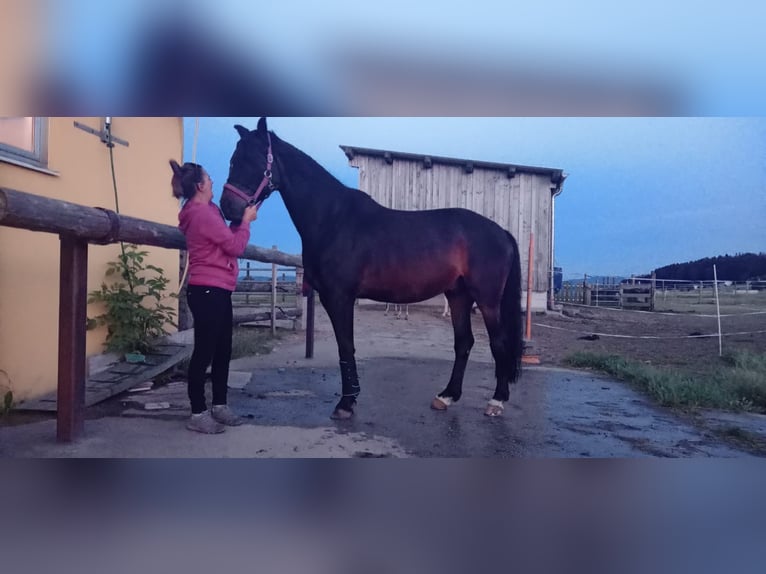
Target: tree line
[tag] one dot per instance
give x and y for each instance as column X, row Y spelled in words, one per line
column 740, row 267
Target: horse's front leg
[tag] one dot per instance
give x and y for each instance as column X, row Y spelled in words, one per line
column 341, row 312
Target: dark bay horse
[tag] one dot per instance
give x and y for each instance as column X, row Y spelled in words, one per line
column 355, row 248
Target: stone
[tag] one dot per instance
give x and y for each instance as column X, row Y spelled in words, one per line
column 156, row 406
column 238, row 379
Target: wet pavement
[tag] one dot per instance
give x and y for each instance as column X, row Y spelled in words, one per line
column 552, row 412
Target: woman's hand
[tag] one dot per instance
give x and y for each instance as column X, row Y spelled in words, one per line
column 250, row 215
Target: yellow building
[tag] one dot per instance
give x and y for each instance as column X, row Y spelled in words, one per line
column 52, row 157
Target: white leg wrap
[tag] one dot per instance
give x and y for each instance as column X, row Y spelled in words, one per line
column 447, row 401
column 494, row 403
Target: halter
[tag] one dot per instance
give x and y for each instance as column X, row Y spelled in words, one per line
column 266, row 182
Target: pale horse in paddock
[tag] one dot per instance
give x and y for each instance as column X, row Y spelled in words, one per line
column 398, row 311
column 446, row 312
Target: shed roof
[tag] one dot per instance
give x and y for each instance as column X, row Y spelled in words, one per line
column 557, row 175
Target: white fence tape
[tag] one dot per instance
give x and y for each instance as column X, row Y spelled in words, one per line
column 647, row 336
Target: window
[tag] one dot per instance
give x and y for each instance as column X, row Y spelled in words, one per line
column 23, row 140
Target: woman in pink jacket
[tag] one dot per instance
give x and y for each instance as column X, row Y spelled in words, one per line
column 213, row 250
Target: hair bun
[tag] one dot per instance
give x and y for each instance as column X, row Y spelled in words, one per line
column 176, row 183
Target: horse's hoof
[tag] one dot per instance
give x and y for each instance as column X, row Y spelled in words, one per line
column 441, row 403
column 341, row 415
column 494, row 409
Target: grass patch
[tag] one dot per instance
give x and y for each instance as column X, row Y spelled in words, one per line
column 739, row 384
column 249, row 341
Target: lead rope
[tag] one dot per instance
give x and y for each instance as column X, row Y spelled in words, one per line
column 110, row 146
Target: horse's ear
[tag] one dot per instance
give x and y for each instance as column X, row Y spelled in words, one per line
column 176, row 168
column 243, row 131
column 262, row 125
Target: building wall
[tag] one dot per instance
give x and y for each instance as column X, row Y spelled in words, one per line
column 29, row 261
column 520, row 204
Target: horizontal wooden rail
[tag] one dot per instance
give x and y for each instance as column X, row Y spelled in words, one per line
column 36, row 213
column 254, row 317
column 289, row 287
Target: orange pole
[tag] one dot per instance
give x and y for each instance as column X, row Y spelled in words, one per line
column 529, row 289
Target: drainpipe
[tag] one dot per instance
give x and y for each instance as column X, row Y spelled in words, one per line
column 559, row 188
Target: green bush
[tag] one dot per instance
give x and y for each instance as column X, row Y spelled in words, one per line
column 134, row 313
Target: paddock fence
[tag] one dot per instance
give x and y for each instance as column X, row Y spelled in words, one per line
column 606, row 294
column 655, row 294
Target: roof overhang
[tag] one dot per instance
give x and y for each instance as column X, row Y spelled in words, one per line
column 557, row 176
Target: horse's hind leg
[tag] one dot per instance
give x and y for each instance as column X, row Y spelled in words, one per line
column 499, row 345
column 460, row 306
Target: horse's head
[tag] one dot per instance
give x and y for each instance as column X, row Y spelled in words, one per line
column 251, row 172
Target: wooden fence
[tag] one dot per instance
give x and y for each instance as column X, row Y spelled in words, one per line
column 272, row 299
column 638, row 297
column 77, row 227
column 635, row 296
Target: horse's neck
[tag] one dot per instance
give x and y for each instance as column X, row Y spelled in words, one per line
column 311, row 194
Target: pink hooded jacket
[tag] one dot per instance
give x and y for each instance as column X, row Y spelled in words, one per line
column 213, row 246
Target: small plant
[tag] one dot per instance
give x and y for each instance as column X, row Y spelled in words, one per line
column 135, row 315
column 247, row 341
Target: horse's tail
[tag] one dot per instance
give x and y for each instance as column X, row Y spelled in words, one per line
column 511, row 315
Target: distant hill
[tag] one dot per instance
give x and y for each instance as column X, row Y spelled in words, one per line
column 740, row 267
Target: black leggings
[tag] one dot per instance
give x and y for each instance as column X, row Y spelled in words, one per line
column 212, row 313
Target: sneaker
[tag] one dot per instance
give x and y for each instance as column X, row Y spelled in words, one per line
column 205, row 424
column 224, row 415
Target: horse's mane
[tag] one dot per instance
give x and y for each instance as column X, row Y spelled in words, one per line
column 309, row 169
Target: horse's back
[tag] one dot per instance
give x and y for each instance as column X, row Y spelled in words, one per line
column 445, row 221
column 406, row 256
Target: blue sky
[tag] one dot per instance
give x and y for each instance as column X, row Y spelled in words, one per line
column 641, row 192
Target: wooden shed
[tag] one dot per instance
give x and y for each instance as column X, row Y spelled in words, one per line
column 519, row 198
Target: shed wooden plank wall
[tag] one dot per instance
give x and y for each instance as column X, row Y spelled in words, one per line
column 520, row 204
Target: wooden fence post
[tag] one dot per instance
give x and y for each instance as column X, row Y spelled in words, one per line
column 310, row 324
column 73, row 298
column 274, row 296
column 300, row 299
column 247, row 277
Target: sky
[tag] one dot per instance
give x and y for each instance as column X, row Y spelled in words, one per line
column 641, row 193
